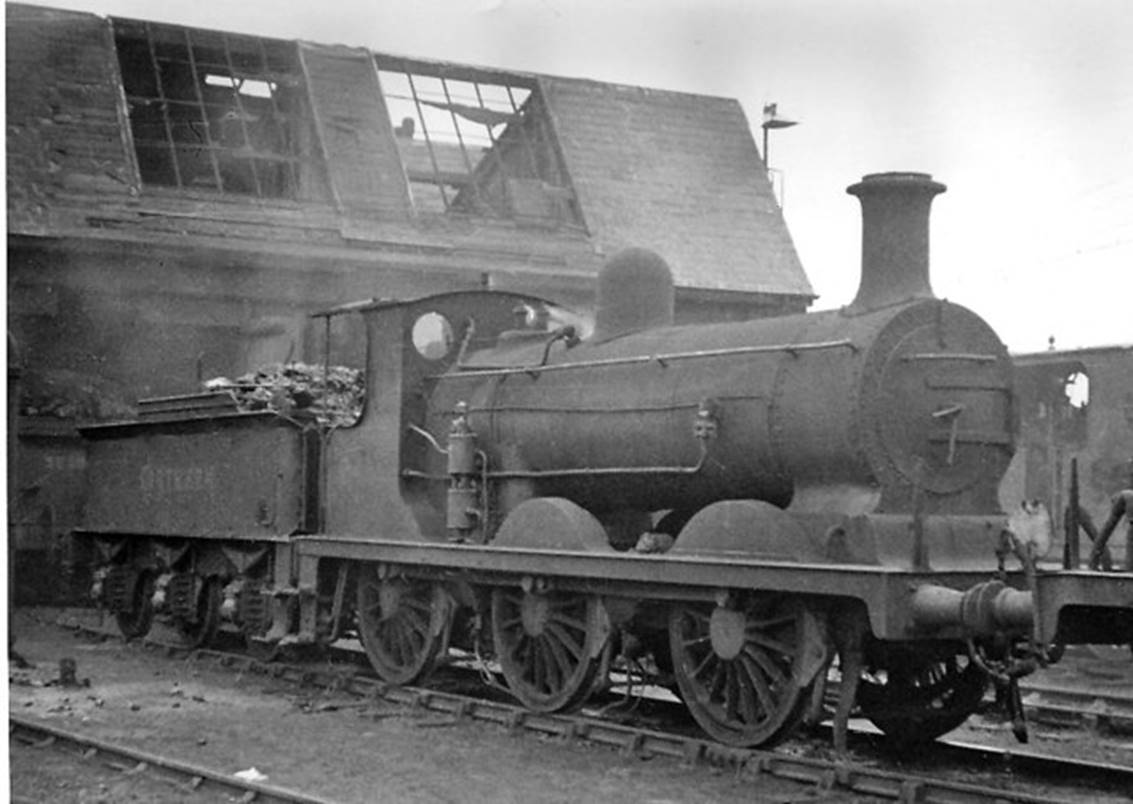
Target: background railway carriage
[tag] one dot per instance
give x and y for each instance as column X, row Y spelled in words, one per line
column 746, row 502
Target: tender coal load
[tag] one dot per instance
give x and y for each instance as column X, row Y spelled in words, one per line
column 333, row 397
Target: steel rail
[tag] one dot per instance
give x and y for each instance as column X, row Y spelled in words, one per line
column 820, row 775
column 1061, row 706
column 1089, row 709
column 824, row 775
column 182, row 774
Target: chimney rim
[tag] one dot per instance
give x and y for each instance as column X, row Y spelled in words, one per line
column 894, row 180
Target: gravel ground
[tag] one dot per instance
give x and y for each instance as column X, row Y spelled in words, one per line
column 234, row 722
column 334, row 747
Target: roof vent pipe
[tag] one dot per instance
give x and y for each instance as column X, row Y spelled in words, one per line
column 895, row 211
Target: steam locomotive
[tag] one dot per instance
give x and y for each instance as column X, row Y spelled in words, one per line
column 735, row 505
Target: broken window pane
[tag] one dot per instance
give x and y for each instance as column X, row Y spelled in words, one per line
column 1077, row 387
column 218, row 112
column 475, row 142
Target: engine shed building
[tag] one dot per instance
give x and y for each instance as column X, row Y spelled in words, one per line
column 180, row 196
column 180, row 199
column 1074, row 404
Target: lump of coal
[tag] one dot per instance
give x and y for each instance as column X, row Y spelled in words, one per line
column 333, row 397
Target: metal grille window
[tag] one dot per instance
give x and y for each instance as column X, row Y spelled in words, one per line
column 476, row 142
column 218, row 112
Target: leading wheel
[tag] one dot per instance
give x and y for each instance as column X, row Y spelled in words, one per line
column 550, row 646
column 740, row 667
column 915, row 700
column 403, row 624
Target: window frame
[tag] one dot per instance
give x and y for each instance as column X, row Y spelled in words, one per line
column 456, row 111
column 215, row 140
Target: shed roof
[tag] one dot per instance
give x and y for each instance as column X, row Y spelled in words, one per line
column 677, row 173
column 673, row 172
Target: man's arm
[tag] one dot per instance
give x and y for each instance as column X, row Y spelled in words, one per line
column 1116, row 512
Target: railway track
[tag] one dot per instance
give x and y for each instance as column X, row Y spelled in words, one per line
column 1103, row 707
column 344, row 686
column 192, row 782
column 1097, row 710
column 821, row 775
column 1106, row 713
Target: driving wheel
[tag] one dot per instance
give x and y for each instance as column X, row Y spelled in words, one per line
column 550, row 645
column 403, row 624
column 740, row 667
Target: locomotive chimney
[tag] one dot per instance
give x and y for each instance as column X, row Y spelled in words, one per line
column 895, row 210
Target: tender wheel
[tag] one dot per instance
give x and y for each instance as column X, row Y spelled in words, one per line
column 201, row 630
column 135, row 623
column 403, row 624
column 260, row 650
column 914, row 700
column 550, row 646
column 740, row 668
column 255, row 616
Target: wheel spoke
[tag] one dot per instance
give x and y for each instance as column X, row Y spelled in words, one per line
column 550, row 671
column 417, row 634
column 716, row 685
column 755, row 675
column 776, row 645
column 417, row 604
column 700, row 668
column 767, row 665
column 402, row 644
column 557, row 671
column 566, row 651
column 571, row 622
column 534, row 667
column 701, row 616
column 566, row 640
column 747, row 694
column 763, row 626
column 521, row 649
column 730, row 691
column 415, row 623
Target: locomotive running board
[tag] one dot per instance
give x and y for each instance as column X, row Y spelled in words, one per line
column 884, row 590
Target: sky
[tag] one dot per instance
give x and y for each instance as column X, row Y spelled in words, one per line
column 1023, row 108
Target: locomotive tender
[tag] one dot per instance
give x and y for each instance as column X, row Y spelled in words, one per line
column 742, row 502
